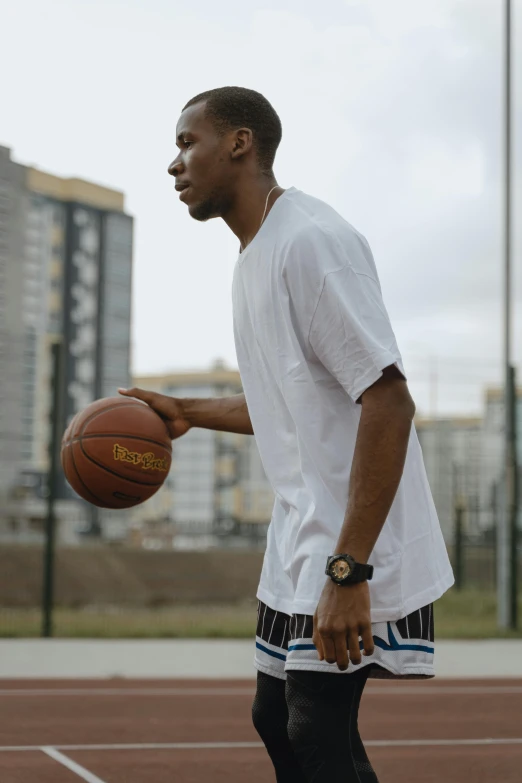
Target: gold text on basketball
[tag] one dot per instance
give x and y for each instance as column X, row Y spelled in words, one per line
column 147, row 461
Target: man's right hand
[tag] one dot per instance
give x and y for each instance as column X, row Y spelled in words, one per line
column 170, row 409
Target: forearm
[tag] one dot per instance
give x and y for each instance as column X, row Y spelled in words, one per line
column 227, row 414
column 378, row 463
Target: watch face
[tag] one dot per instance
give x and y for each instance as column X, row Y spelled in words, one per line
column 341, row 569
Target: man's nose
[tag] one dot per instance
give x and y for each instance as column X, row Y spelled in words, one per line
column 175, row 168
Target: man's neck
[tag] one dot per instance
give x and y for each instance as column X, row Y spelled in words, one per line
column 244, row 219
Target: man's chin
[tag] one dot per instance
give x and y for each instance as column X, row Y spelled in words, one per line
column 198, row 214
column 214, row 206
column 202, row 211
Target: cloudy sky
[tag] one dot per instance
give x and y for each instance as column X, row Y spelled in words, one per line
column 391, row 112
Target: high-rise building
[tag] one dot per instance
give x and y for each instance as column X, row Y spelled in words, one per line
column 65, row 274
column 217, row 486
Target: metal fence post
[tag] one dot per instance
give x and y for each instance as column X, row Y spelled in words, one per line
column 52, row 489
column 513, row 502
column 459, row 547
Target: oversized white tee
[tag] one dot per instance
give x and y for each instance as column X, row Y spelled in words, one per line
column 312, row 334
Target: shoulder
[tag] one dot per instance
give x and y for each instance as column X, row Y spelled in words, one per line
column 310, row 220
column 320, row 240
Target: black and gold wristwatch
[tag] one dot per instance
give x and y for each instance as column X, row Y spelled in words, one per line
column 343, row 570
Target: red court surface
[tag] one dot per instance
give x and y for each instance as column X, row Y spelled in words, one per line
column 123, row 731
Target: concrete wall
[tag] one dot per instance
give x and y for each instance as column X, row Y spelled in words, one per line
column 100, row 576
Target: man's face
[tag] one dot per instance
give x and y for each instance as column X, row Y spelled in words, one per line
column 203, row 167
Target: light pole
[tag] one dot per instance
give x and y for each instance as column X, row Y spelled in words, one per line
column 507, row 519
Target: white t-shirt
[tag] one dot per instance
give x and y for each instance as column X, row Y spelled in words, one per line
column 312, row 334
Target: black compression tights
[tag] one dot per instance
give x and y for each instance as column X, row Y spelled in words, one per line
column 309, row 726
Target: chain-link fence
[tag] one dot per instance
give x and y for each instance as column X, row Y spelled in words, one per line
column 125, row 590
column 187, row 561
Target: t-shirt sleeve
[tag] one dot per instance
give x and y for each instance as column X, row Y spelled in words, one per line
column 350, row 332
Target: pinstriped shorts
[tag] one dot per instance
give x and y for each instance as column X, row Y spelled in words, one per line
column 403, row 649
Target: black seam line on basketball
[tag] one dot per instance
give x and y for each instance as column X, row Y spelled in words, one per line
column 103, row 502
column 104, row 467
column 119, row 435
column 82, row 482
column 110, row 408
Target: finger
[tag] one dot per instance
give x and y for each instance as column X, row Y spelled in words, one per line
column 353, row 647
column 139, row 394
column 367, row 638
column 341, row 651
column 329, row 649
column 159, row 403
column 316, row 639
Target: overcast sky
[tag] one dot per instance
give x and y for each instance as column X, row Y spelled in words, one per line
column 391, row 112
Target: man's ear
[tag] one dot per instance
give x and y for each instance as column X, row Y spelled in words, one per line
column 243, row 142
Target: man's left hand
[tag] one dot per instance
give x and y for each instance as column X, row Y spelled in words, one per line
column 342, row 615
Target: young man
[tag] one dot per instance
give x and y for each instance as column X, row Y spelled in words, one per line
column 354, row 548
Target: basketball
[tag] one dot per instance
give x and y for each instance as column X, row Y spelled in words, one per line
column 116, row 453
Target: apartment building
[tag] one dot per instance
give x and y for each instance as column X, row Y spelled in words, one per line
column 65, row 275
column 217, row 486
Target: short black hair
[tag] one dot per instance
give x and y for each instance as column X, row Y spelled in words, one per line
column 237, row 107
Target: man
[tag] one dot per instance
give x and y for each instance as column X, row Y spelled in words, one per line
column 355, row 555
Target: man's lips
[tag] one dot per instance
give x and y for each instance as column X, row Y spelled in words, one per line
column 181, row 187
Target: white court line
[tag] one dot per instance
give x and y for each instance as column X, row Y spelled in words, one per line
column 238, row 745
column 446, row 743
column 421, row 690
column 392, row 690
column 128, row 692
column 83, row 773
column 138, row 746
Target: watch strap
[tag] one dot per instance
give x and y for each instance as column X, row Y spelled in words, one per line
column 361, row 572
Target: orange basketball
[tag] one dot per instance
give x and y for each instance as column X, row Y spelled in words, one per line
column 116, row 453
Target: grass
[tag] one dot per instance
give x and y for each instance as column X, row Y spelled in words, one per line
column 180, row 622
column 470, row 614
